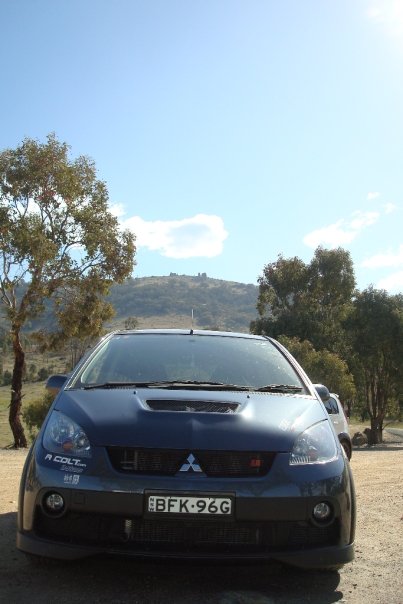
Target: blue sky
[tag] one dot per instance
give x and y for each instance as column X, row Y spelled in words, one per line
column 228, row 131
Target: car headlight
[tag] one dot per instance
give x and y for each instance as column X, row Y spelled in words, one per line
column 316, row 445
column 63, row 435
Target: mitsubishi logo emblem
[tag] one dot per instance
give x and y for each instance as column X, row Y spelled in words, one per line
column 191, row 465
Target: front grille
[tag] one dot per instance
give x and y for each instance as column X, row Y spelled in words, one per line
column 192, row 406
column 184, row 536
column 167, row 462
column 190, row 533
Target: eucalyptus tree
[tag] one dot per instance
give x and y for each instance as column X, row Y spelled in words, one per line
column 307, row 301
column 375, row 327
column 59, row 242
column 323, row 367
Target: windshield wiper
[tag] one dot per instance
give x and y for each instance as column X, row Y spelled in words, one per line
column 107, row 385
column 175, row 384
column 195, row 385
column 284, row 388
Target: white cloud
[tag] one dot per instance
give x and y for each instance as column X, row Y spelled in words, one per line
column 388, row 259
column 202, row 235
column 330, row 236
column 388, row 13
column 389, row 207
column 393, row 283
column 341, row 232
column 117, row 210
column 362, row 220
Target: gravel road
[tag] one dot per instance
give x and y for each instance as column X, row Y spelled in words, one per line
column 375, row 577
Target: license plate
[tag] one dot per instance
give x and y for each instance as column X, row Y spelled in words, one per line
column 180, row 504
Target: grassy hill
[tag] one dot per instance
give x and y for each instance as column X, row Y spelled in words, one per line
column 169, row 302
column 155, row 302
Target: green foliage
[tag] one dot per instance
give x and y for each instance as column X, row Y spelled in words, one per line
column 131, row 323
column 32, row 372
column 308, row 301
column 375, row 329
column 322, row 367
column 43, row 374
column 7, row 376
column 57, row 234
column 58, row 242
column 316, row 311
column 35, row 412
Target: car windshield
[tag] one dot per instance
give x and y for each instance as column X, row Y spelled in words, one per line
column 188, row 359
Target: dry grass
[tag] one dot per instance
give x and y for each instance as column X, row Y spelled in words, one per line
column 357, row 426
column 31, row 391
column 158, row 322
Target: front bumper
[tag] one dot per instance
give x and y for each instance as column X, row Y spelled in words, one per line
column 272, row 520
column 320, row 557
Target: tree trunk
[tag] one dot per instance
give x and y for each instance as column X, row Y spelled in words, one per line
column 16, row 393
column 376, row 431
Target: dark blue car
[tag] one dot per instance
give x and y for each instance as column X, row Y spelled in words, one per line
column 188, row 444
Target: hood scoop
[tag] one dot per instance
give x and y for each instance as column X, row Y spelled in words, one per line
column 192, row 406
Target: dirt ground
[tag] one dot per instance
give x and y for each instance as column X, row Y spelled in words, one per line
column 376, row 575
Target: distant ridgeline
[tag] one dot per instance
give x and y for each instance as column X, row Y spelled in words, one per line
column 170, row 302
column 216, row 304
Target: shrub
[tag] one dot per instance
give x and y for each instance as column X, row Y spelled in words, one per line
column 7, row 377
column 43, row 374
column 35, row 413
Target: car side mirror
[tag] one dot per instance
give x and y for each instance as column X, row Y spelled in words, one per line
column 55, row 383
column 322, row 391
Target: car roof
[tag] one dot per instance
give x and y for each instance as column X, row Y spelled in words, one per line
column 197, row 332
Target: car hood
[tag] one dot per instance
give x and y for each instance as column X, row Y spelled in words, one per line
column 124, row 417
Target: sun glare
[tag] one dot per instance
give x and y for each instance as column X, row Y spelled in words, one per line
column 387, row 13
